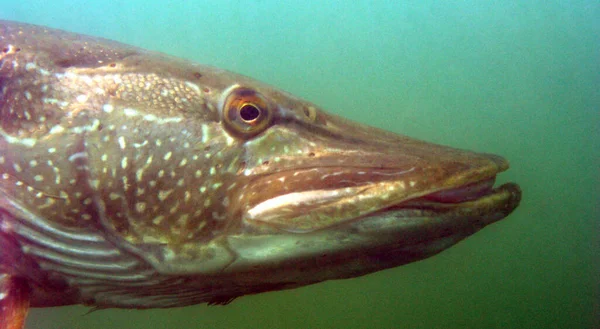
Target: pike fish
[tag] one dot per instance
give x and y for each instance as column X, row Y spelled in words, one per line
column 132, row 179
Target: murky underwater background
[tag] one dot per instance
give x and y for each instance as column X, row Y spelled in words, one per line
column 516, row 78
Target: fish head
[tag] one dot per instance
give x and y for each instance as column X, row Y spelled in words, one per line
column 305, row 196
column 122, row 165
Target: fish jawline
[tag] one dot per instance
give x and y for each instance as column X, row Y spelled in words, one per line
column 484, row 210
column 283, row 212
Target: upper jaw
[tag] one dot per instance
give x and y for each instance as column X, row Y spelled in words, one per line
column 345, row 170
column 316, row 198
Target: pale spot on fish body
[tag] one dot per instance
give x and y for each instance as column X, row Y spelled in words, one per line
column 122, row 142
column 56, row 130
column 125, row 183
column 48, row 202
column 78, row 155
column 130, row 112
column 139, row 175
column 173, row 209
column 140, row 207
column 162, row 195
column 158, row 219
column 108, row 108
column 183, row 219
column 82, row 98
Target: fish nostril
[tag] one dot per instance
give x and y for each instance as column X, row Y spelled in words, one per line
column 242, row 167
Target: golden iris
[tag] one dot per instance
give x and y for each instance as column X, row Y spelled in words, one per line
column 246, row 113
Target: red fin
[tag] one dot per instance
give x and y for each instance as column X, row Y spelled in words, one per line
column 14, row 302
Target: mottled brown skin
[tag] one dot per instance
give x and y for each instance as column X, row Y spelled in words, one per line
column 132, row 179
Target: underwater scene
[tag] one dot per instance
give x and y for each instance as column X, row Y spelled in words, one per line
column 514, row 78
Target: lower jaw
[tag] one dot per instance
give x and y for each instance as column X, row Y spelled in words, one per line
column 491, row 207
column 506, row 196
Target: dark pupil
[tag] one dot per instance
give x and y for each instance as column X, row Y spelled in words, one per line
column 249, row 112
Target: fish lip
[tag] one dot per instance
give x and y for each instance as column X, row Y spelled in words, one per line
column 511, row 191
column 471, row 215
column 417, row 196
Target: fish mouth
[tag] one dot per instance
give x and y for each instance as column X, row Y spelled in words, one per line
column 368, row 235
column 463, row 193
column 478, row 199
column 364, row 194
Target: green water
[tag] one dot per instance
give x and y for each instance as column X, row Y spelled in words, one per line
column 516, row 78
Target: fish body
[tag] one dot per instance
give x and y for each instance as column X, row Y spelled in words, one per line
column 133, row 179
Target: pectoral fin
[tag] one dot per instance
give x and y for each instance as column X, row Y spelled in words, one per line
column 14, row 302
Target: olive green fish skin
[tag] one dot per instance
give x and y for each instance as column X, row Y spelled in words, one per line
column 129, row 178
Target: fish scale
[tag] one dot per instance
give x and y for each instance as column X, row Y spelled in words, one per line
column 133, row 179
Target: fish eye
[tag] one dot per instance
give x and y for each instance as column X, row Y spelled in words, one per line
column 246, row 113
